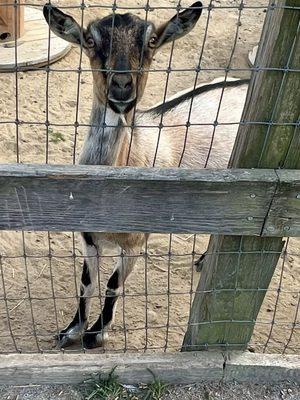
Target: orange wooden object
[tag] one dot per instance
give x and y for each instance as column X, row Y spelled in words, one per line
column 11, row 20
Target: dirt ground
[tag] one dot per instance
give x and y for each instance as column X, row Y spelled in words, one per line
column 231, row 391
column 44, row 316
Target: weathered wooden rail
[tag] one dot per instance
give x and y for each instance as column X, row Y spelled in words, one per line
column 39, row 369
column 88, row 198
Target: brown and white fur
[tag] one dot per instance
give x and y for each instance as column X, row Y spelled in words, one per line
column 118, row 86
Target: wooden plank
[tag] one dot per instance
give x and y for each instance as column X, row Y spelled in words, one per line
column 284, row 214
column 11, row 21
column 177, row 368
column 262, row 368
column 24, row 369
column 95, row 198
column 227, row 300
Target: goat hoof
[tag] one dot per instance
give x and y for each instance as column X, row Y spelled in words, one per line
column 63, row 339
column 90, row 340
column 69, row 336
column 93, row 339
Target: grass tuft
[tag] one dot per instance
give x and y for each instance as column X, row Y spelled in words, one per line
column 56, row 137
column 109, row 388
column 157, row 389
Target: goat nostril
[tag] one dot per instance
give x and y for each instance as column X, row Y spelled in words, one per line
column 122, row 81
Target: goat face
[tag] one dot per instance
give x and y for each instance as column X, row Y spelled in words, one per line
column 120, row 48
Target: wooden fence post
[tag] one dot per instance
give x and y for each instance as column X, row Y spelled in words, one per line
column 238, row 269
column 11, row 20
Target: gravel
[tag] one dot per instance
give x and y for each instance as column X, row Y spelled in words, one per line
column 232, row 391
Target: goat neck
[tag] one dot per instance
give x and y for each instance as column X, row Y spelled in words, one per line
column 107, row 139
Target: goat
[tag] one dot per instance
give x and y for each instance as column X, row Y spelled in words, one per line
column 158, row 135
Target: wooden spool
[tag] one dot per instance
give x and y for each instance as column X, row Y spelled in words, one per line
column 11, row 21
column 26, row 27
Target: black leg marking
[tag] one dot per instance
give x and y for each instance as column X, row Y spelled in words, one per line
column 88, row 238
column 90, row 337
column 85, row 277
column 80, row 316
column 79, row 322
column 113, row 282
column 199, row 263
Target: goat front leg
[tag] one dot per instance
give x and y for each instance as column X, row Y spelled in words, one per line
column 74, row 331
column 95, row 336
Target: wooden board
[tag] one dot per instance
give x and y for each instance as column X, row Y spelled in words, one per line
column 261, row 368
column 32, row 47
column 284, row 215
column 178, row 368
column 95, row 198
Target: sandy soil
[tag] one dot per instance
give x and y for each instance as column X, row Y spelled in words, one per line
column 44, row 316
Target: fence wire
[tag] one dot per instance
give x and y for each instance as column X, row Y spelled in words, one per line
column 40, row 271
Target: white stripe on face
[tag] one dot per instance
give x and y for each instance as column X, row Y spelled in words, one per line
column 149, row 32
column 96, row 34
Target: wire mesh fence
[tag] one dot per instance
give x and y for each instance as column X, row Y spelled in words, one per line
column 40, row 294
column 44, row 116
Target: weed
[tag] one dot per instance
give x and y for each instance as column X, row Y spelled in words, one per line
column 156, row 389
column 110, row 388
column 56, row 137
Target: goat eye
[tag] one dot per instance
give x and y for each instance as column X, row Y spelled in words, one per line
column 152, row 41
column 90, row 42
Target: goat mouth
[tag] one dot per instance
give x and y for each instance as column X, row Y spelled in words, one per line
column 121, row 106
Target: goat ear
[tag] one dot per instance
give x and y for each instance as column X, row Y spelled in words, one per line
column 63, row 25
column 181, row 24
